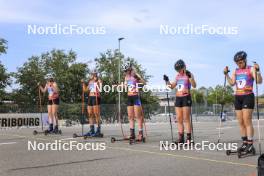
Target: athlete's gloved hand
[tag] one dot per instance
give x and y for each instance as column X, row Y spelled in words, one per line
column 137, row 77
column 226, row 70
column 256, row 66
column 188, row 73
column 166, row 78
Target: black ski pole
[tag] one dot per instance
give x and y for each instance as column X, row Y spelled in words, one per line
column 170, row 116
column 257, row 107
column 221, row 113
column 166, row 79
column 82, row 120
column 40, row 107
column 192, row 125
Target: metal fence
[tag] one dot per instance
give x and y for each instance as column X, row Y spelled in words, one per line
column 109, row 112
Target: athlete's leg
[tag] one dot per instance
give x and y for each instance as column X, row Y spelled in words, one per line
column 179, row 114
column 139, row 117
column 187, row 121
column 50, row 117
column 131, row 118
column 247, row 118
column 91, row 121
column 96, row 111
column 55, row 116
column 242, row 127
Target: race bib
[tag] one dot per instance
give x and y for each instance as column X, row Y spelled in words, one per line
column 180, row 87
column 50, row 91
column 241, row 81
column 92, row 87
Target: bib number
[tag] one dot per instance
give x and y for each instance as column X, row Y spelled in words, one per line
column 180, row 87
column 241, row 83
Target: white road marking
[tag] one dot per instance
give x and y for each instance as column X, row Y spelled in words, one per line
column 7, row 143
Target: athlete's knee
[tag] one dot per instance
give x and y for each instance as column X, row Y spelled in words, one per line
column 180, row 120
column 131, row 117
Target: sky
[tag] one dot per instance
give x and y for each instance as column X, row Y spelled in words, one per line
column 139, row 23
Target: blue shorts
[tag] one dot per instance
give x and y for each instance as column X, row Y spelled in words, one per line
column 133, row 101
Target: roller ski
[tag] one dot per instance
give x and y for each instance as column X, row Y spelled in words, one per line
column 53, row 131
column 35, row 132
column 131, row 139
column 91, row 133
column 85, row 136
column 113, row 139
column 50, row 129
column 125, row 138
column 241, row 148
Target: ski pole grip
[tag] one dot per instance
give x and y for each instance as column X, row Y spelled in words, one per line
column 227, row 69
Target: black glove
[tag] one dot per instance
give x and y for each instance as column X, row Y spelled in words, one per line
column 188, row 73
column 226, row 71
column 166, row 78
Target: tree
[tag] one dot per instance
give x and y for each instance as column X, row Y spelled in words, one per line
column 4, row 76
column 66, row 71
column 3, row 46
column 197, row 96
column 220, row 95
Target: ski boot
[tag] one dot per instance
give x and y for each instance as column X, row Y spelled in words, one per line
column 91, row 132
column 98, row 133
column 132, row 137
column 241, row 148
column 180, row 141
column 141, row 137
column 56, row 130
column 189, row 140
column 49, row 130
column 249, row 150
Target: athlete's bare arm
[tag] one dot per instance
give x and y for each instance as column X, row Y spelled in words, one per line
column 55, row 86
column 232, row 80
column 192, row 81
column 171, row 85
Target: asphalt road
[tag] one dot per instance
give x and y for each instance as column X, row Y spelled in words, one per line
column 120, row 158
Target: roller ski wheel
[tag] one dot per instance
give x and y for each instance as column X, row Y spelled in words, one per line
column 35, row 132
column 228, row 152
column 101, row 135
column 134, row 141
column 47, row 132
column 113, row 140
